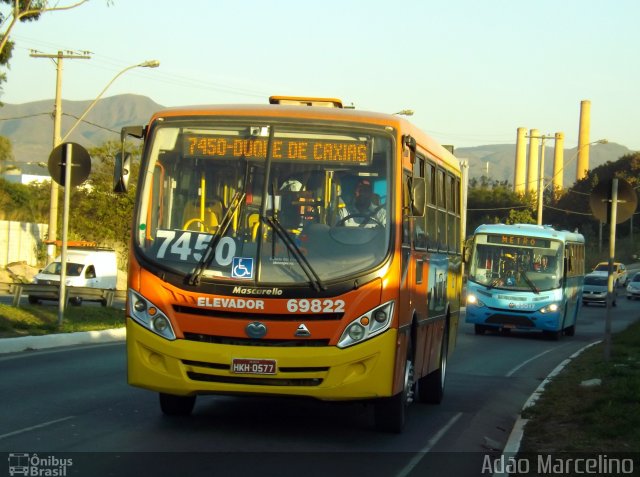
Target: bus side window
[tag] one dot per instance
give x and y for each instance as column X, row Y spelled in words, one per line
column 430, row 175
column 419, row 225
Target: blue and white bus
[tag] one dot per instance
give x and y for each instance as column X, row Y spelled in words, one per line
column 525, row 277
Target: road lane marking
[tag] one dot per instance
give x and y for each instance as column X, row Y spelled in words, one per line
column 432, row 442
column 37, row 426
column 524, row 363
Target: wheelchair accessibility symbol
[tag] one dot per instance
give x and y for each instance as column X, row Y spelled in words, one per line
column 242, row 268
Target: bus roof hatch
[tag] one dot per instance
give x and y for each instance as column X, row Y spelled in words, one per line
column 304, row 101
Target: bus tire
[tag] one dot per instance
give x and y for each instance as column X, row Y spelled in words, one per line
column 552, row 335
column 570, row 330
column 390, row 413
column 479, row 329
column 431, row 387
column 173, row 405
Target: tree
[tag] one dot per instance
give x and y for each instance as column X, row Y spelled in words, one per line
column 495, row 202
column 6, row 153
column 22, row 11
column 95, row 202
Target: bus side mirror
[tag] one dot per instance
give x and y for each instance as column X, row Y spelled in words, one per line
column 418, row 194
column 122, row 167
column 121, row 172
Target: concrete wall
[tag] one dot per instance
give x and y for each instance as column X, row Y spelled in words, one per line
column 19, row 242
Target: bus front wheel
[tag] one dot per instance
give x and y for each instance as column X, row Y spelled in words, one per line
column 173, row 405
column 431, row 387
column 479, row 329
column 390, row 413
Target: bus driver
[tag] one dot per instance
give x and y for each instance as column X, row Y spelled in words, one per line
column 363, row 210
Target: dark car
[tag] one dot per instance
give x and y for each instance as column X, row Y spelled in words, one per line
column 595, row 289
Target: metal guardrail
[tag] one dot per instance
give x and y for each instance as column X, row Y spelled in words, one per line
column 52, row 292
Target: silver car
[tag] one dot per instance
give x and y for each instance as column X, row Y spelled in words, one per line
column 633, row 288
column 595, row 289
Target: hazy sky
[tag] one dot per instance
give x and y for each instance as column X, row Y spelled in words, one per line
column 472, row 70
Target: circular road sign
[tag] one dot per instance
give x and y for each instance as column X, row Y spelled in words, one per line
column 80, row 163
column 600, row 201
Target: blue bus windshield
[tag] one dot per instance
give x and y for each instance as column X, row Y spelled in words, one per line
column 524, row 267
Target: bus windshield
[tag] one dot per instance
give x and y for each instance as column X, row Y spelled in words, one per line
column 531, row 265
column 270, row 204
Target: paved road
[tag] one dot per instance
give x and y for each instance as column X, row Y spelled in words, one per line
column 75, row 402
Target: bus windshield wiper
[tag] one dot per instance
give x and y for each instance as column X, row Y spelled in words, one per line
column 529, row 282
column 293, row 248
column 209, row 252
column 494, row 282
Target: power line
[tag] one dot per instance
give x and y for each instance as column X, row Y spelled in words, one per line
column 26, row 117
column 109, row 63
column 91, row 124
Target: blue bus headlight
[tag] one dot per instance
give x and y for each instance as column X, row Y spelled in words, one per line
column 550, row 308
column 149, row 316
column 473, row 300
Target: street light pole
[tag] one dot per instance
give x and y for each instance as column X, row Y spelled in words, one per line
column 541, row 186
column 57, row 121
column 560, row 171
column 145, row 64
column 541, row 180
column 53, row 204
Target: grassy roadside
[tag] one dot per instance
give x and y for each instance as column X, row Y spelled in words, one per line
column 571, row 418
column 42, row 320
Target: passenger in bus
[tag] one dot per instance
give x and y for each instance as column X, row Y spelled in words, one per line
column 364, row 208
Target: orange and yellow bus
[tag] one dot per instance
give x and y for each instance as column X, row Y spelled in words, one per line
column 294, row 248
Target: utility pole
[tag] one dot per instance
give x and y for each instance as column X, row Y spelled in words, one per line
column 57, row 123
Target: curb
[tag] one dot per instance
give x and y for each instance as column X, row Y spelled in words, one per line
column 512, row 447
column 24, row 343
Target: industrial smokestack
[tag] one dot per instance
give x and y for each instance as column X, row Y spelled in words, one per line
column 520, row 172
column 532, row 170
column 558, row 164
column 583, row 140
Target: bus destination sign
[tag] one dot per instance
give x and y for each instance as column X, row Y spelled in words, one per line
column 284, row 149
column 519, row 240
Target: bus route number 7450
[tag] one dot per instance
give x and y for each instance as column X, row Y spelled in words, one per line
column 188, row 246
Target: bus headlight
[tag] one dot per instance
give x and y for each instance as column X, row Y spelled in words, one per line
column 368, row 325
column 473, row 300
column 149, row 316
column 550, row 308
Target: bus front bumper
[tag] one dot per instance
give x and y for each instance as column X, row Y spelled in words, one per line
column 504, row 319
column 183, row 367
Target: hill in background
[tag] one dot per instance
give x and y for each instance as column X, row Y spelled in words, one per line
column 501, row 160
column 29, row 126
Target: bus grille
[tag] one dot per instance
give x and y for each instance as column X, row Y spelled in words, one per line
column 282, row 369
column 210, row 378
column 501, row 319
column 245, row 315
column 254, row 380
column 228, row 340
